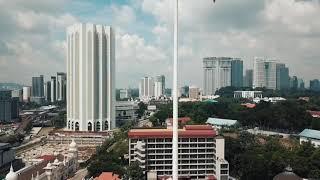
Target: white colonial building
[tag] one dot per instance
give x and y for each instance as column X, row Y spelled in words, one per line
column 49, row 167
column 91, row 77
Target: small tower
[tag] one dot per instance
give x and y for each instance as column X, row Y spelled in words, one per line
column 73, row 155
column 11, row 175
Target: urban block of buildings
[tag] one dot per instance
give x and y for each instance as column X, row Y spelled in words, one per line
column 49, row 167
column 152, row 88
column 90, row 77
column 201, row 152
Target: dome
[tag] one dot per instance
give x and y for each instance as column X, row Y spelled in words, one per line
column 11, row 175
column 73, row 145
column 55, row 153
column 288, row 174
column 49, row 165
column 56, row 161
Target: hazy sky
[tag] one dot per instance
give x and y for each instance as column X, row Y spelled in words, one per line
column 32, row 35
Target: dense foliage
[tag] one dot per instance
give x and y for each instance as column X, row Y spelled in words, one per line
column 251, row 159
column 110, row 157
column 290, row 115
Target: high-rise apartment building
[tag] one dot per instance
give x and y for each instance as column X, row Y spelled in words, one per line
column 237, row 73
column 283, row 78
column 90, row 77
column 265, row 73
column 26, row 93
column 217, row 74
column 201, row 152
column 248, row 78
column 48, row 87
column 194, row 92
column 146, row 88
column 9, row 108
column 61, row 86
column 53, row 89
column 294, row 84
column 315, row 85
column 159, row 86
column 37, row 89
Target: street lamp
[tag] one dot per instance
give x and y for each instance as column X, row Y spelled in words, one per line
column 175, row 156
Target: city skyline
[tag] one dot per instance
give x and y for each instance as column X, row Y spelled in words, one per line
column 270, row 30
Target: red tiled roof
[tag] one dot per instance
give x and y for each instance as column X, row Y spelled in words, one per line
column 48, row 157
column 108, row 176
column 188, row 131
column 314, row 113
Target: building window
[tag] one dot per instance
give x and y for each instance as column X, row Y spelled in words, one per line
column 106, row 125
column 98, row 126
column 68, row 124
column 89, row 126
column 72, row 125
column 77, row 126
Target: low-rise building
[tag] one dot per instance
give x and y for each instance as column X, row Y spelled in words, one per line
column 126, row 111
column 201, row 152
column 310, row 135
column 125, row 93
column 218, row 123
column 315, row 114
column 247, row 94
column 269, row 99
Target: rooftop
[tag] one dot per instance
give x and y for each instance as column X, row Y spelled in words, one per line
column 221, row 122
column 187, row 131
column 310, row 133
column 108, row 176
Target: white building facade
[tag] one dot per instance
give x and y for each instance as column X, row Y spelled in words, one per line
column 26, row 93
column 61, row 86
column 146, row 88
column 91, row 77
column 247, row 94
column 264, row 73
column 201, row 152
column 159, row 86
column 217, row 74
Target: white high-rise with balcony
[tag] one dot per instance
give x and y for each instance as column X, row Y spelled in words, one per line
column 264, row 73
column 217, row 74
column 159, row 86
column 90, row 77
column 146, row 88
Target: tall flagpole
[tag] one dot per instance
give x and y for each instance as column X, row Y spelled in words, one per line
column 175, row 157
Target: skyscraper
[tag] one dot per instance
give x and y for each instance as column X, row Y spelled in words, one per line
column 37, row 86
column 265, row 73
column 315, row 85
column 26, row 93
column 91, row 77
column 159, row 86
column 61, row 86
column 294, row 83
column 53, row 89
column 9, row 106
column 48, row 86
column 37, row 89
column 217, row 74
column 146, row 88
column 237, row 73
column 283, row 79
column 248, row 78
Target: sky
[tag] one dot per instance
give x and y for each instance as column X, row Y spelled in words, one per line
column 33, row 35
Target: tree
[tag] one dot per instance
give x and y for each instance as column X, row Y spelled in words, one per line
column 134, row 172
